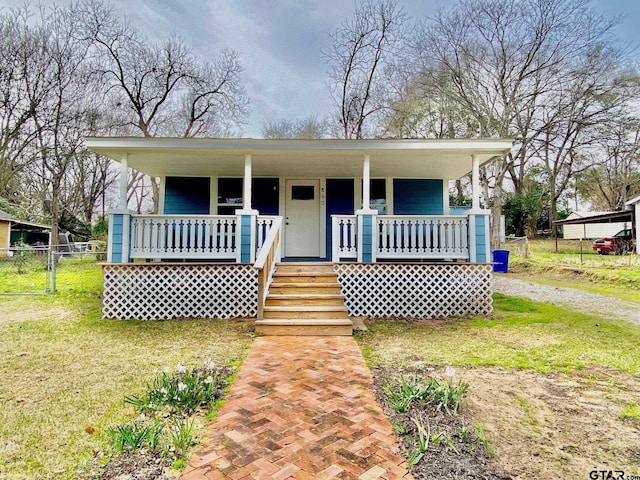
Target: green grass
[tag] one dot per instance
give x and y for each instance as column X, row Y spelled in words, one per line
column 631, row 411
column 64, row 372
column 520, row 334
column 77, row 273
column 608, row 274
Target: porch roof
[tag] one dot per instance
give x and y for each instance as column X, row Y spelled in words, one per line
column 448, row 159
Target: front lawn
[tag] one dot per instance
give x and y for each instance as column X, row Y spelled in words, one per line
column 554, row 392
column 64, row 371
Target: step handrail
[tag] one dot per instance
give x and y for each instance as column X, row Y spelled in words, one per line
column 266, row 259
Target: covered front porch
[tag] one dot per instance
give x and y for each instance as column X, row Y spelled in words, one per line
column 231, row 210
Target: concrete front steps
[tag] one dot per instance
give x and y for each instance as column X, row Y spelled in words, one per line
column 305, row 299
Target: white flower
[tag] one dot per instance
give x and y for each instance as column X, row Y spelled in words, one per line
column 163, row 391
column 208, row 380
column 450, row 372
column 181, row 368
column 181, row 386
column 209, row 364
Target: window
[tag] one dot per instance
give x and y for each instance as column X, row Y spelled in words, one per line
column 302, row 192
column 265, row 195
column 229, row 195
column 378, row 195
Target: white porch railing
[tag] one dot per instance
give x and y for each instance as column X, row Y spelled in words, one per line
column 263, row 226
column 190, row 237
column 422, row 237
column 268, row 255
column 404, row 237
column 183, row 237
column 343, row 237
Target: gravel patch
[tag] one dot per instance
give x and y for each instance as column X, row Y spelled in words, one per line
column 606, row 306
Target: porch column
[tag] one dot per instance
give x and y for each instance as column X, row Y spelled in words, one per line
column 124, row 181
column 366, row 183
column 120, row 220
column 246, row 190
column 119, row 236
column 246, row 220
column 367, row 218
column 479, row 220
column 475, row 182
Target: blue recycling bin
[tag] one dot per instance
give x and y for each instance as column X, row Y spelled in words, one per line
column 500, row 260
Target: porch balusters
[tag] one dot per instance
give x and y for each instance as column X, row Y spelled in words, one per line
column 422, row 237
column 343, row 237
column 193, row 237
column 263, row 226
column 405, row 237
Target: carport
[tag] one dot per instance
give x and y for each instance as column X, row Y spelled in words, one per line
column 15, row 231
column 614, row 217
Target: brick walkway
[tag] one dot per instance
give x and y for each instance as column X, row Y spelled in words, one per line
column 301, row 407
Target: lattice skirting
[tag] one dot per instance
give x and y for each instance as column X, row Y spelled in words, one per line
column 164, row 291
column 416, row 290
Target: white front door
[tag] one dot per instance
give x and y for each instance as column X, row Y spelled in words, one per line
column 302, row 220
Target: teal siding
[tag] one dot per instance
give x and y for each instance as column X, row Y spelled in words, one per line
column 367, row 238
column 457, row 210
column 418, row 197
column 481, row 239
column 187, row 196
column 117, row 227
column 245, row 238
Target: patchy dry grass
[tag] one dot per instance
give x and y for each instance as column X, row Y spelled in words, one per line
column 556, row 390
column 520, row 334
column 64, row 371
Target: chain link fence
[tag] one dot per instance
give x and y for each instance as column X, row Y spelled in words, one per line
column 33, row 270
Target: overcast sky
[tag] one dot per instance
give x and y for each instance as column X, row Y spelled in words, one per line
column 280, row 42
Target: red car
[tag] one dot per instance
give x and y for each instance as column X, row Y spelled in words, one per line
column 620, row 243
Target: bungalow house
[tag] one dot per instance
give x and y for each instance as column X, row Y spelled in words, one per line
column 304, row 235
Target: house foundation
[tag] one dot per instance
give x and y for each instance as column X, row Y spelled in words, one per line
column 158, row 291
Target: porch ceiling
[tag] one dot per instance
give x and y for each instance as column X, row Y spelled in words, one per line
column 448, row 159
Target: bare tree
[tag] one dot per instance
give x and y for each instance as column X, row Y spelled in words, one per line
column 506, row 60
column 613, row 176
column 426, row 109
column 309, row 127
column 60, row 123
column 362, row 56
column 571, row 123
column 23, row 88
column 97, row 175
column 163, row 88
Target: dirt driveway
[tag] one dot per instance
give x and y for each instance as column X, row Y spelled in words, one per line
column 573, row 298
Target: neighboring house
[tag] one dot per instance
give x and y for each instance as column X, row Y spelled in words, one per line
column 591, row 230
column 634, row 206
column 376, row 212
column 14, row 232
